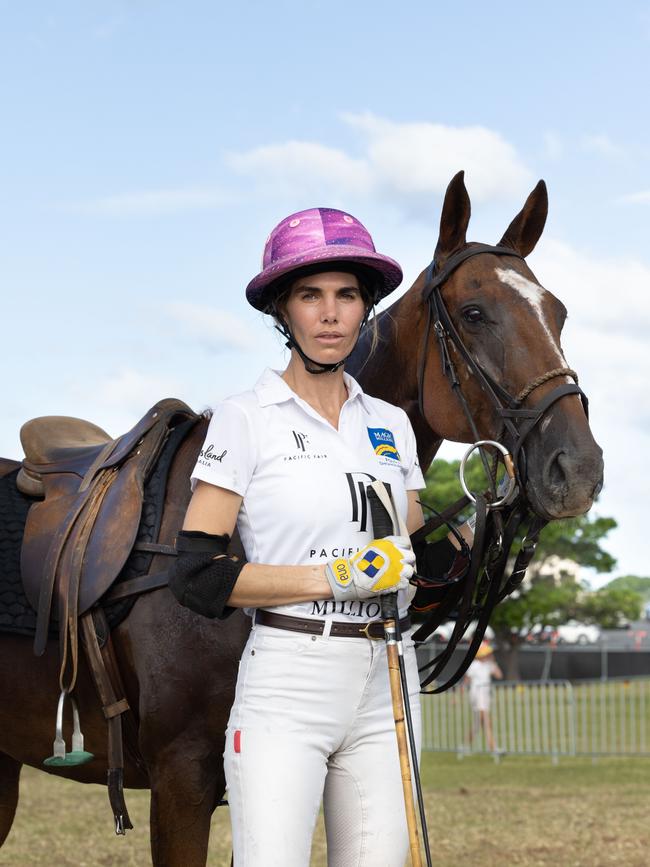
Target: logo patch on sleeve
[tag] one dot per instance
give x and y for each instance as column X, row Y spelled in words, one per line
column 383, row 442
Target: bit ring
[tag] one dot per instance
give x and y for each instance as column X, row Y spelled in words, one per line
column 508, row 463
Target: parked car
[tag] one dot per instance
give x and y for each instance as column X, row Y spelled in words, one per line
column 443, row 632
column 574, row 632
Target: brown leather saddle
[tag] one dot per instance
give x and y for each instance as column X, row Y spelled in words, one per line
column 78, row 537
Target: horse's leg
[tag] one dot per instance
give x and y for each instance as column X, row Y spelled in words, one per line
column 183, row 797
column 186, row 668
column 9, row 777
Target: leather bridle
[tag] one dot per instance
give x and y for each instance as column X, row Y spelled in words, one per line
column 498, row 521
column 517, row 422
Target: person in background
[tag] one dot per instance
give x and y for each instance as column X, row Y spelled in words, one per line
column 479, row 677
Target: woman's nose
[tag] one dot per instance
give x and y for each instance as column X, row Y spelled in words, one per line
column 328, row 312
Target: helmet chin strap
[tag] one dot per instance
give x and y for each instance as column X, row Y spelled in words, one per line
column 311, row 366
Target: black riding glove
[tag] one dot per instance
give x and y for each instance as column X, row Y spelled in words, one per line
column 440, row 565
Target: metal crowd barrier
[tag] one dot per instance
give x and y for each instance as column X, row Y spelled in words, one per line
column 551, row 718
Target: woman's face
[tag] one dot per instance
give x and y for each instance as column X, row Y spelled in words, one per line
column 324, row 312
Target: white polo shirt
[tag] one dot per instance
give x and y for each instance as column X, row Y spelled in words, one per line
column 303, row 482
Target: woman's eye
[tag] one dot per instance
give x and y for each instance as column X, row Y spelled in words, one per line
column 472, row 314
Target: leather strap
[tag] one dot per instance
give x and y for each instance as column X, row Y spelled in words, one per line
column 139, row 584
column 155, row 548
column 373, row 629
column 113, row 708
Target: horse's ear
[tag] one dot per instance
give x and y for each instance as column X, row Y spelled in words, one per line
column 454, row 219
column 526, row 228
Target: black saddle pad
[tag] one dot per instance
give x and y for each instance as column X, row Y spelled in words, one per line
column 16, row 614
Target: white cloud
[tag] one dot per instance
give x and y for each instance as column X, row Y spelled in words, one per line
column 553, row 145
column 404, row 162
column 602, row 145
column 116, row 400
column 640, row 198
column 129, row 389
column 611, row 295
column 149, row 203
column 420, row 158
column 217, row 330
column 304, row 165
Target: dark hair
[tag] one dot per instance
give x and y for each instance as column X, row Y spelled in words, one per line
column 369, row 281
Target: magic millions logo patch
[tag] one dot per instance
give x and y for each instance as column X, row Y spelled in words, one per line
column 383, row 442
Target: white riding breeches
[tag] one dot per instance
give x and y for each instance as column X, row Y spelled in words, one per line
column 313, row 720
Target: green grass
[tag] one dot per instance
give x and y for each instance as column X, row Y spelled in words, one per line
column 522, row 811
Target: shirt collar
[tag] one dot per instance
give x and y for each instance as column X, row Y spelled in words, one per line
column 270, row 388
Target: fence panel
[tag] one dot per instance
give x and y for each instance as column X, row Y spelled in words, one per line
column 552, row 718
column 613, row 717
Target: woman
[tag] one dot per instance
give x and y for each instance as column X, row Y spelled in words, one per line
column 288, row 463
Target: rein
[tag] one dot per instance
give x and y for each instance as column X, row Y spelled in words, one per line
column 497, row 523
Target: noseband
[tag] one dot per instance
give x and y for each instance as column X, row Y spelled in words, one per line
column 517, row 422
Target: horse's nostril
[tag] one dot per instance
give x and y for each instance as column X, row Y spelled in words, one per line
column 556, row 470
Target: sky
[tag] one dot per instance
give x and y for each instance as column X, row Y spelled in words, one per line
column 147, row 149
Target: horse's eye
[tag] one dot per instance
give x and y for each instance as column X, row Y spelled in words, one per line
column 472, row 314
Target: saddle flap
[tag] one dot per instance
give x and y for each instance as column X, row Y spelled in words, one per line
column 113, row 535
column 44, row 521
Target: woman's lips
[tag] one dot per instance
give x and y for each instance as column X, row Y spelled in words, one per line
column 329, row 338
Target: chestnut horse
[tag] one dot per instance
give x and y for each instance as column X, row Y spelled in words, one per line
column 179, row 669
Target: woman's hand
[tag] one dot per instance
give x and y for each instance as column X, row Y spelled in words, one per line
column 383, row 566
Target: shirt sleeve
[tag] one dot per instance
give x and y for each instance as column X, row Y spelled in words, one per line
column 414, row 480
column 229, row 454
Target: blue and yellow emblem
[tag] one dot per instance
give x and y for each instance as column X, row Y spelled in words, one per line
column 383, row 442
column 371, row 563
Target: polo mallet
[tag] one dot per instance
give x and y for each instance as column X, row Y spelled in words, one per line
column 386, row 522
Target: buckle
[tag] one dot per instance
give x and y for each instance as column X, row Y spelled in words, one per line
column 366, row 630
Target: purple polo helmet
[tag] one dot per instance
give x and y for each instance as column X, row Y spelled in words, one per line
column 315, row 236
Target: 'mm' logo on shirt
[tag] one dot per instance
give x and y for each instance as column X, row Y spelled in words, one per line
column 383, row 442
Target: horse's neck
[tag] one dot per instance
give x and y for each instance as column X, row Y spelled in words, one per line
column 390, row 373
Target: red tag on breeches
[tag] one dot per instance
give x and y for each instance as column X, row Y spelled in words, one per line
column 237, row 741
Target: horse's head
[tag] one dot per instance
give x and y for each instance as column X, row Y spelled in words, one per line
column 510, row 326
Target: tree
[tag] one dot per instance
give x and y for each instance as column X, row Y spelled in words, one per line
column 632, row 582
column 543, row 600
column 610, row 606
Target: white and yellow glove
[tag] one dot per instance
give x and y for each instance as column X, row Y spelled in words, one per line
column 383, row 566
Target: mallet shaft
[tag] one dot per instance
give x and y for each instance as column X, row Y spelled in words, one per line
column 402, row 742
